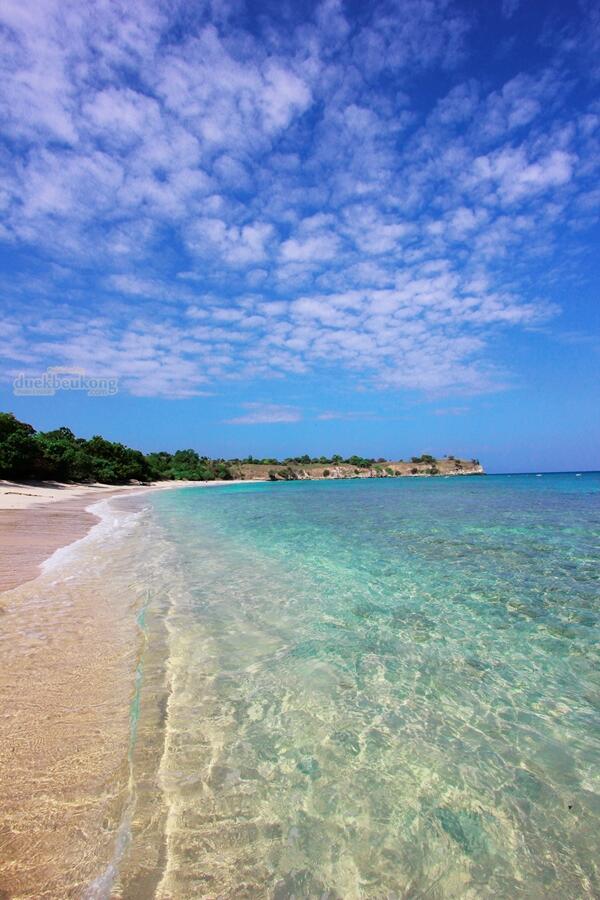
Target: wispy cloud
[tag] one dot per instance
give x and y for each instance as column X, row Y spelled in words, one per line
column 266, row 414
column 332, row 414
column 221, row 202
column 451, row 411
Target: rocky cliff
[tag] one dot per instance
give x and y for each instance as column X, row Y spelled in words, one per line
column 291, row 471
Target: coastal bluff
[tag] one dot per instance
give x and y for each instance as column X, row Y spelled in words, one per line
column 425, row 466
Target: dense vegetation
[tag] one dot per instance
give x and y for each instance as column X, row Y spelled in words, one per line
column 59, row 455
column 306, row 460
column 187, row 465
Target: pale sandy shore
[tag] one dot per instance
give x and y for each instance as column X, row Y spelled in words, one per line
column 37, row 518
column 69, row 643
column 25, row 495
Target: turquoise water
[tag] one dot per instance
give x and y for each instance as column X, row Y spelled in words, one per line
column 383, row 688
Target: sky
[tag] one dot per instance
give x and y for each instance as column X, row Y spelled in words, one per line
column 322, row 227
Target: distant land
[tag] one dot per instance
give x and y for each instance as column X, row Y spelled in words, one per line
column 307, row 468
column 58, row 455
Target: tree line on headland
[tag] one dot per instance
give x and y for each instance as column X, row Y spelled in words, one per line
column 61, row 456
column 58, row 455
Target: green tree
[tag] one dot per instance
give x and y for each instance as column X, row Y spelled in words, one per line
column 63, row 456
column 19, row 451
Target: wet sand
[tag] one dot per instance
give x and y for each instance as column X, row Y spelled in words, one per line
column 69, row 643
column 38, row 518
column 29, row 536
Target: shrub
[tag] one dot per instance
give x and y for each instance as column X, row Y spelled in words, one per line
column 359, row 461
column 288, row 474
column 326, row 473
column 424, row 458
column 19, row 456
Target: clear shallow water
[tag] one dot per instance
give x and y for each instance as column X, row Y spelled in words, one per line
column 69, row 647
column 381, row 689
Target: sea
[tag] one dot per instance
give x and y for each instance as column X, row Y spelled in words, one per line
column 373, row 688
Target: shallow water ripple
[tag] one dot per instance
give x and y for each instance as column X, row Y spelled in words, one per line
column 384, row 689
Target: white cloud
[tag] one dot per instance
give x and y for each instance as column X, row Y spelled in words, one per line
column 310, row 249
column 332, row 414
column 236, row 245
column 266, row 414
column 451, row 411
column 284, row 95
column 516, row 177
column 239, row 204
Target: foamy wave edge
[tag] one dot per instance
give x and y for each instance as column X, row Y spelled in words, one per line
column 113, row 524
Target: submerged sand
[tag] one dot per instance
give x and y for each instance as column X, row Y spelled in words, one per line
column 37, row 518
column 30, row 535
column 69, row 643
column 68, row 655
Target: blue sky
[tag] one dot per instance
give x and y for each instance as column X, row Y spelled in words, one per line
column 307, row 227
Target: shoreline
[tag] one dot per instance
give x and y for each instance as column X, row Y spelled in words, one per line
column 87, row 693
column 39, row 518
column 71, row 642
column 73, row 635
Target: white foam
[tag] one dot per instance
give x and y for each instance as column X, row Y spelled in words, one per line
column 113, row 525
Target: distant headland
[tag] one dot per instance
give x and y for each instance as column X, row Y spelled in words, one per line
column 310, row 468
column 58, row 455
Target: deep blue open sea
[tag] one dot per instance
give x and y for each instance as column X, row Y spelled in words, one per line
column 382, row 688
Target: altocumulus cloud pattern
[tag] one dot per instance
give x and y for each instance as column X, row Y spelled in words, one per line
column 221, row 190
